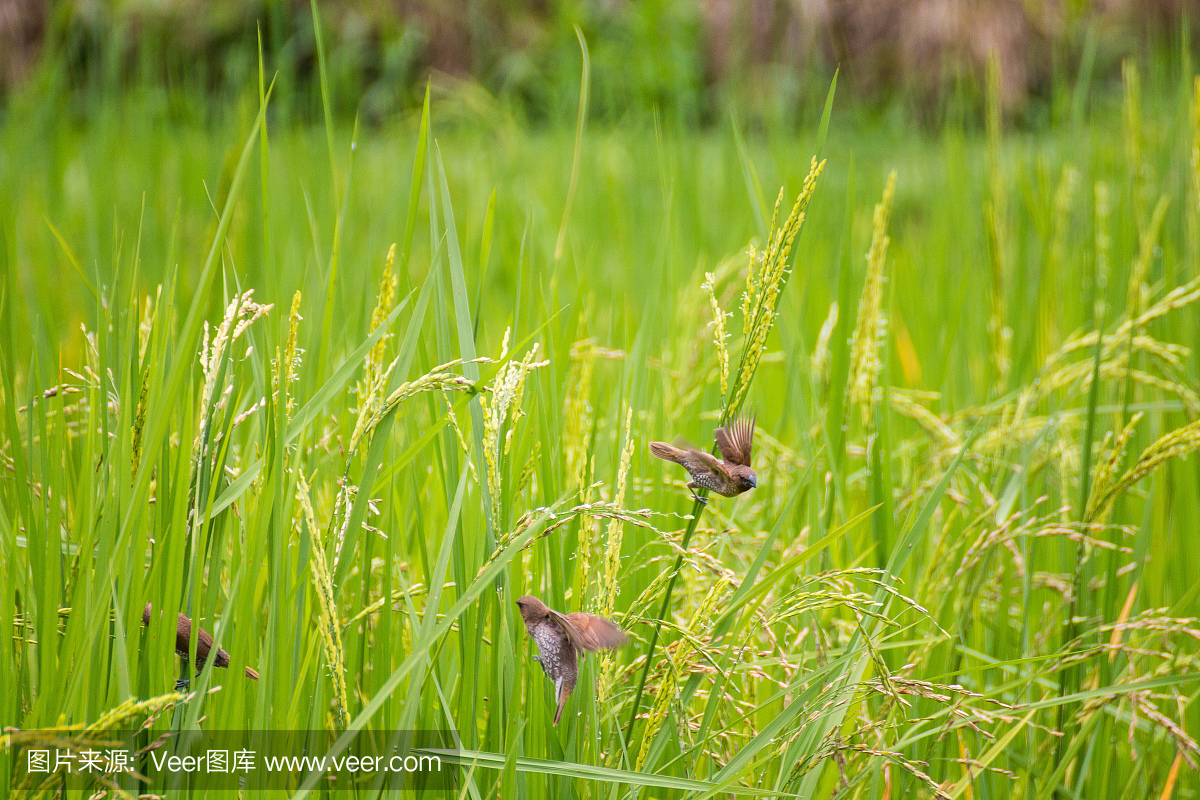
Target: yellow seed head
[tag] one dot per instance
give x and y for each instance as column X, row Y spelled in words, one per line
column 871, row 325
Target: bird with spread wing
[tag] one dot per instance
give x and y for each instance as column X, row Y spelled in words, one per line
column 728, row 476
column 562, row 638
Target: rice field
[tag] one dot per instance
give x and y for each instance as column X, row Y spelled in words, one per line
column 344, row 394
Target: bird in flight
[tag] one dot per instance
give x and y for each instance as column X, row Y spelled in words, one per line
column 562, row 638
column 728, row 476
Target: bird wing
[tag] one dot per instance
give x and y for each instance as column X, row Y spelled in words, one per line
column 572, row 633
column 696, row 460
column 736, row 440
column 596, row 633
column 690, row 457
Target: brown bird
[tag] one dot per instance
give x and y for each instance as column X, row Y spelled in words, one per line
column 729, row 477
column 560, row 637
column 204, row 645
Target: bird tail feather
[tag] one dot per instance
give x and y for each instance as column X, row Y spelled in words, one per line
column 561, row 693
column 665, row 451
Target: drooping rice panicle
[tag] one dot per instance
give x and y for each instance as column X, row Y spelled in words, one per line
column 1175, row 444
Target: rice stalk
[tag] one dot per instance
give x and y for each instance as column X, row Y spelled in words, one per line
column 677, row 665
column 507, row 391
column 375, row 372
column 996, row 227
column 149, row 316
column 720, row 335
column 578, row 413
column 759, row 301
column 610, row 581
column 615, row 533
column 1056, row 260
column 240, row 313
column 139, row 425
column 1177, row 298
column 930, row 422
column 327, row 619
column 438, row 379
column 291, row 356
column 1081, row 374
column 1138, row 293
column 870, row 327
column 557, row 518
column 764, row 286
column 819, row 363
column 579, row 420
column 1107, row 468
column 460, row 436
column 1103, row 245
column 1193, row 217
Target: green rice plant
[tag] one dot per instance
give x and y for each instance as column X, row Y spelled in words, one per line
column 870, row 327
column 953, row 579
column 759, row 301
column 81, row 738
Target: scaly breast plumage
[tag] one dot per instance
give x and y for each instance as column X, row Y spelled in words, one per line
column 549, row 643
column 715, row 483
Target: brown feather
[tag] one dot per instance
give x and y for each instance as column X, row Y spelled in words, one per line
column 710, row 461
column 666, row 452
column 586, row 632
column 595, row 632
column 561, row 639
column 204, row 643
column 573, row 635
column 737, row 440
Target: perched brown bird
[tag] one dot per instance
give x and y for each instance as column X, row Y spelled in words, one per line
column 729, row 477
column 561, row 637
column 204, row 643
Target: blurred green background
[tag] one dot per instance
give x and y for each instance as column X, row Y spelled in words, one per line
column 109, row 105
column 689, row 60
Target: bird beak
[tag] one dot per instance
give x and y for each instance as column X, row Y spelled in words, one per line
column 753, row 482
